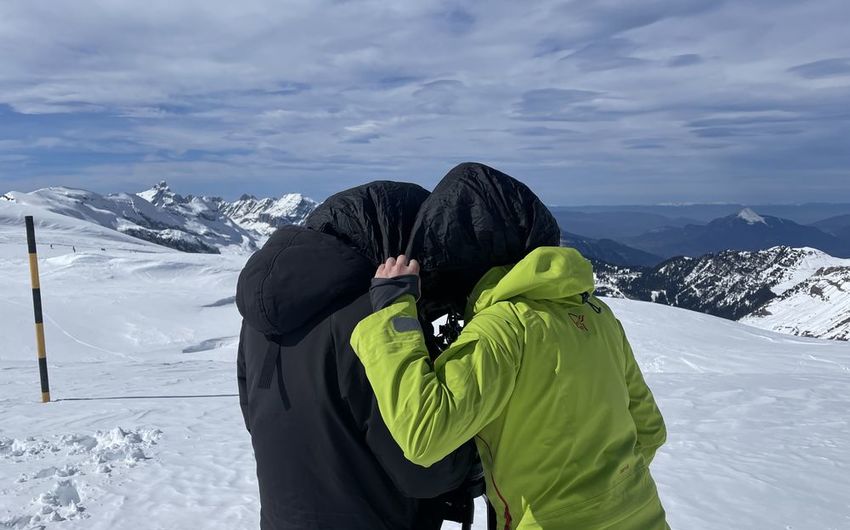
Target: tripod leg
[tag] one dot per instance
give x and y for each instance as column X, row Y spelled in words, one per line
column 491, row 516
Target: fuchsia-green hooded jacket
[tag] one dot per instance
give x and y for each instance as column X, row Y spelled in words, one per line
column 544, row 380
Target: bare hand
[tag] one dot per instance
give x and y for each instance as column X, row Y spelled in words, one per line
column 398, row 267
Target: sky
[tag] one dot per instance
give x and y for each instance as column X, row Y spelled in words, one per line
column 588, row 102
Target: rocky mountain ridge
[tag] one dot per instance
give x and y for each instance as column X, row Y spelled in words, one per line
column 801, row 291
column 188, row 223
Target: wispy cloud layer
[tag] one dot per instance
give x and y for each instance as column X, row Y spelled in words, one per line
column 603, row 101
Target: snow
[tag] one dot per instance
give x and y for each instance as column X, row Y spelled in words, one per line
column 264, row 216
column 146, row 430
column 817, row 307
column 810, row 261
column 191, row 223
column 751, row 217
column 814, row 298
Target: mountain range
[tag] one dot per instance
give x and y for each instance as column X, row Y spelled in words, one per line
column 763, row 270
column 801, row 291
column 839, row 226
column 699, row 213
column 747, row 230
column 188, row 223
column 608, row 250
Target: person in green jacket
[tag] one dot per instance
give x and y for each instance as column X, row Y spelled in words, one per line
column 542, row 377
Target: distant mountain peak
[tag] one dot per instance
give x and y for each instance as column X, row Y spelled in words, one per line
column 161, row 195
column 751, row 217
column 264, row 216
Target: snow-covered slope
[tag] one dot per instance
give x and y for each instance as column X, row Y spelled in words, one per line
column 802, row 291
column 113, row 298
column 193, row 224
column 146, row 431
column 63, row 231
column 816, row 304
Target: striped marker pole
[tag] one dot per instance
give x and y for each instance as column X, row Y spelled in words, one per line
column 36, row 303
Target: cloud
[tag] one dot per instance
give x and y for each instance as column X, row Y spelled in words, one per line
column 839, row 66
column 456, row 19
column 556, row 104
column 658, row 100
column 685, row 59
column 439, row 97
column 544, row 131
column 608, row 54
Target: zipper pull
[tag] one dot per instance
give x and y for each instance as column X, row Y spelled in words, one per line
column 585, row 299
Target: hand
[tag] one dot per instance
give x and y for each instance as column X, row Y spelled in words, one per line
column 398, row 267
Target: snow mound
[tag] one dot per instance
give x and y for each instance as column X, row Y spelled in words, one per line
column 115, row 445
column 100, row 453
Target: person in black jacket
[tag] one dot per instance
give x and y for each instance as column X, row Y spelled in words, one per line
column 325, row 459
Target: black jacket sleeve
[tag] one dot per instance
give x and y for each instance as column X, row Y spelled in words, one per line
column 241, row 378
column 411, row 479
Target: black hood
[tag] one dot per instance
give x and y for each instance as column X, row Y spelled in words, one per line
column 304, row 273
column 375, row 219
column 475, row 219
column 299, row 275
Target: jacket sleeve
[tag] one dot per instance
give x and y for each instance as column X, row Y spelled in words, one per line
column 241, row 378
column 431, row 410
column 651, row 432
column 410, row 479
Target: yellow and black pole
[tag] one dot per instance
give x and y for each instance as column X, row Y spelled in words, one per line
column 36, row 303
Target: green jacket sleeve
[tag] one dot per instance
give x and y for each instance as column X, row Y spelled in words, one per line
column 432, row 409
column 651, row 432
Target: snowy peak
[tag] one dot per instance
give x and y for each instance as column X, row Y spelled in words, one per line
column 161, row 195
column 260, row 217
column 188, row 223
column 181, row 229
column 264, row 216
column 751, row 217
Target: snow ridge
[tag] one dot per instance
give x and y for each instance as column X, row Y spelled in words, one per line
column 264, row 216
column 801, row 291
column 208, row 225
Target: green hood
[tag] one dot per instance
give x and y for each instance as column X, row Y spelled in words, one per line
column 546, row 273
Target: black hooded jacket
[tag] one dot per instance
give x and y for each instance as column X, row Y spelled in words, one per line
column 325, row 459
column 475, row 219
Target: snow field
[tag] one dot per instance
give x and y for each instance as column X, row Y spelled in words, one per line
column 99, row 453
column 161, row 461
column 147, row 432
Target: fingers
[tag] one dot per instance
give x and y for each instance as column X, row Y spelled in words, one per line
column 400, row 266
